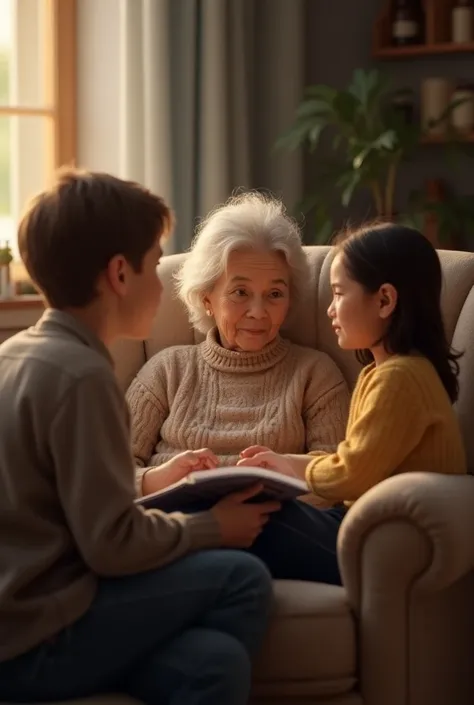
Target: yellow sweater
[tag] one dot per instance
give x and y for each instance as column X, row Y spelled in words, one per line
column 401, row 420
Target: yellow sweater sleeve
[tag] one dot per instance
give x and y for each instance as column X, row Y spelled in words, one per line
column 388, row 423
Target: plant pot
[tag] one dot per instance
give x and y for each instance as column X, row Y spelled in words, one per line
column 5, row 282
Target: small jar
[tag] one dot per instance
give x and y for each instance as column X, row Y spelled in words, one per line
column 462, row 116
column 435, row 98
column 462, row 16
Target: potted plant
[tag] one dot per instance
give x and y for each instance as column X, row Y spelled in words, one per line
column 369, row 138
column 5, row 259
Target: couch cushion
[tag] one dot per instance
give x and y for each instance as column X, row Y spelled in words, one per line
column 311, row 645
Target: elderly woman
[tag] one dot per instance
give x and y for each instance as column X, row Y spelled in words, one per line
column 245, row 384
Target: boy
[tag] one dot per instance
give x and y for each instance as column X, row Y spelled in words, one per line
column 93, row 597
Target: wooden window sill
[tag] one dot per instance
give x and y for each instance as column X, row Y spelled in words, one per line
column 21, row 302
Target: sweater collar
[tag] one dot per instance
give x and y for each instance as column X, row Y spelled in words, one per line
column 225, row 360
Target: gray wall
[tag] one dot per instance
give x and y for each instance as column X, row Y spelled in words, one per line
column 339, row 40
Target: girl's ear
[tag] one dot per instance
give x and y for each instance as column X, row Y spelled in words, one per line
column 388, row 297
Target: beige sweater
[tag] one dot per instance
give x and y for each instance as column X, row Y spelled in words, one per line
column 289, row 398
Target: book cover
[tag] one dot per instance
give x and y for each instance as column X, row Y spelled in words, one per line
column 209, row 486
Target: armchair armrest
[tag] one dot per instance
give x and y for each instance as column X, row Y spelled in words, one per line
column 435, row 519
column 406, row 554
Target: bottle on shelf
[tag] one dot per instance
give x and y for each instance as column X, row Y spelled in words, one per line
column 408, row 22
column 462, row 27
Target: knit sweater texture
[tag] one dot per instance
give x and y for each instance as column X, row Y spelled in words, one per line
column 290, row 398
column 401, row 420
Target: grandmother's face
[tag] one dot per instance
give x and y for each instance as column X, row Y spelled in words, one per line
column 250, row 300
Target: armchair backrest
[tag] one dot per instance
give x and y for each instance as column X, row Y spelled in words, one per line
column 310, row 325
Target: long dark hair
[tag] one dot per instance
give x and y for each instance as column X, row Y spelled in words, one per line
column 403, row 257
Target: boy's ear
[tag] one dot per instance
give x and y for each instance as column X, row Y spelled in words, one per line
column 116, row 274
column 388, row 297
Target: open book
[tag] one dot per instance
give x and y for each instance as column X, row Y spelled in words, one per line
column 208, row 486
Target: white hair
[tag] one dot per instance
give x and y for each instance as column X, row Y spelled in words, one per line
column 249, row 220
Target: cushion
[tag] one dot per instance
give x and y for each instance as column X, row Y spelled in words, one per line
column 310, row 649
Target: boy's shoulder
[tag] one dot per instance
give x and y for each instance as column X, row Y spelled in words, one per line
column 53, row 354
column 44, row 363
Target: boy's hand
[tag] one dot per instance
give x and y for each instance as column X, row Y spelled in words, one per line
column 258, row 456
column 177, row 468
column 241, row 523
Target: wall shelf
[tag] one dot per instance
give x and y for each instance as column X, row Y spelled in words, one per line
column 448, row 139
column 437, row 34
column 411, row 52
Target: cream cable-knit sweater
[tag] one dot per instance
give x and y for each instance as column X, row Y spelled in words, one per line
column 287, row 397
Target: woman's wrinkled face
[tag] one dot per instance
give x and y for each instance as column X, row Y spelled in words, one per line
column 250, row 300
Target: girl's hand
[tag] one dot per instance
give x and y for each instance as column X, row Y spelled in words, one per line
column 254, row 457
column 253, row 450
column 156, row 479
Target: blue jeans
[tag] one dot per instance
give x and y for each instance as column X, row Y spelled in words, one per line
column 181, row 635
column 300, row 543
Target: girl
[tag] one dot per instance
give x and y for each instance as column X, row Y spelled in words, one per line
column 386, row 284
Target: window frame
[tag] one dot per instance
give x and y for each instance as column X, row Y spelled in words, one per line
column 60, row 107
column 61, row 83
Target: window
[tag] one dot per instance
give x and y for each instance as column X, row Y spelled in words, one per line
column 37, row 102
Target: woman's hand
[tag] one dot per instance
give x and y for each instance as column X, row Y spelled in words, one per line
column 262, row 457
column 156, row 479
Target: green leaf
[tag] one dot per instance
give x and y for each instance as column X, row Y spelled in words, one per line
column 323, row 92
column 296, row 135
column 314, row 135
column 318, row 108
column 348, row 182
column 368, row 87
column 386, row 141
column 345, row 106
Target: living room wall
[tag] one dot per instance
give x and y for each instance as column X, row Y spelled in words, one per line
column 339, row 40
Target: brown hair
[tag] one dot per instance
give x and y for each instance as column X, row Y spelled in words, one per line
column 70, row 232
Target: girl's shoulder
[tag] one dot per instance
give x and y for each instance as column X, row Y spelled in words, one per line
column 411, row 370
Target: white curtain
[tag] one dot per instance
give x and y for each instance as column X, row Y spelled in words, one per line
column 206, row 87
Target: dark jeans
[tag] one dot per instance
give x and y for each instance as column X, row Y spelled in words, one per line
column 300, row 543
column 181, row 635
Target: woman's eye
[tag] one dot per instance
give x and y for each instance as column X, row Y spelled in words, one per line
column 276, row 294
column 239, row 292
